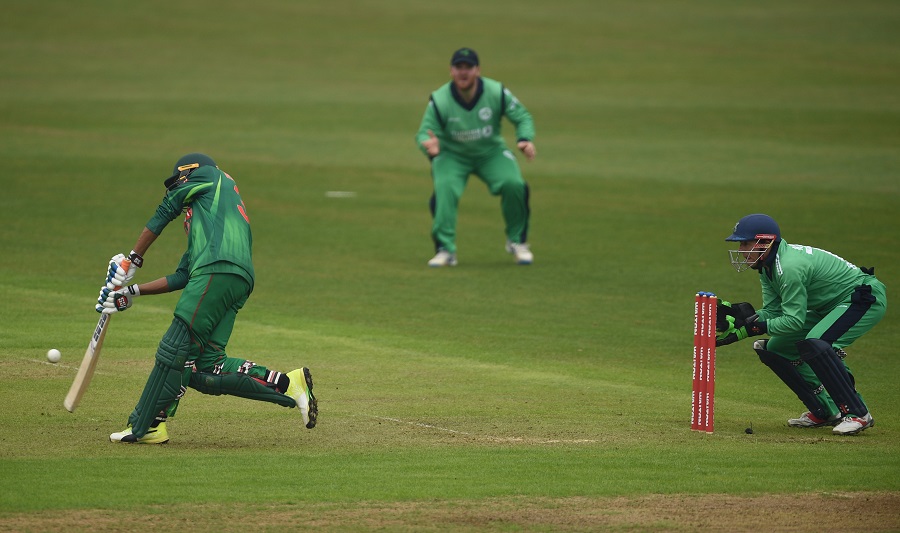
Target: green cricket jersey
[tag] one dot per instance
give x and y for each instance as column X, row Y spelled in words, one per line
column 801, row 279
column 216, row 222
column 473, row 130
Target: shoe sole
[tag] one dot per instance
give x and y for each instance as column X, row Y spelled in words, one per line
column 439, row 265
column 823, row 424
column 313, row 412
column 509, row 250
column 124, row 439
column 857, row 432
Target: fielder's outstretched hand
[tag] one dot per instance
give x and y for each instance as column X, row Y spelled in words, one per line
column 111, row 301
column 432, row 145
column 527, row 148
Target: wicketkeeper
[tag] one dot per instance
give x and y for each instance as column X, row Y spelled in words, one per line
column 815, row 304
column 216, row 277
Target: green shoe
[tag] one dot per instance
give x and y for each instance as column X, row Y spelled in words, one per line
column 301, row 390
column 157, row 435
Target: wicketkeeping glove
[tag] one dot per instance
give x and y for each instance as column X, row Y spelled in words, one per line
column 111, row 301
column 730, row 315
column 117, row 275
column 733, row 333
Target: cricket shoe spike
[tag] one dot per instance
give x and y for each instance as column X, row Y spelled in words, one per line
column 851, row 424
column 809, row 420
column 301, row 390
column 157, row 435
column 443, row 258
column 521, row 251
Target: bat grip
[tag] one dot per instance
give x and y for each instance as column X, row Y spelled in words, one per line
column 126, row 264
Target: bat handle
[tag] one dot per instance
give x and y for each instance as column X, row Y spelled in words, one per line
column 126, row 264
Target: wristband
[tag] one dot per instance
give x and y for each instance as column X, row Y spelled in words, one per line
column 136, row 259
column 756, row 327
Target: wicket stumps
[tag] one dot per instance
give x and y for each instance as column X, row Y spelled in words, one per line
column 703, row 399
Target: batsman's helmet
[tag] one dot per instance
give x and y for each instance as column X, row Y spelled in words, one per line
column 762, row 231
column 186, row 165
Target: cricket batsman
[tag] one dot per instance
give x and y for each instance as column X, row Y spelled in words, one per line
column 215, row 277
column 814, row 304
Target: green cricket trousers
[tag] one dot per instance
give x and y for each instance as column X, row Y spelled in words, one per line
column 500, row 171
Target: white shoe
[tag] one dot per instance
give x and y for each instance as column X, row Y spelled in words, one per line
column 301, row 390
column 809, row 420
column 443, row 258
column 851, row 425
column 157, row 435
column 521, row 251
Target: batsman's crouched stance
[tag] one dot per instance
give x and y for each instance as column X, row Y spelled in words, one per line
column 215, row 276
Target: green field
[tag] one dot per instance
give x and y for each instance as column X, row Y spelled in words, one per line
column 554, row 397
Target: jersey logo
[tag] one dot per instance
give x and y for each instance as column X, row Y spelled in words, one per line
column 485, row 113
column 188, row 214
column 472, row 135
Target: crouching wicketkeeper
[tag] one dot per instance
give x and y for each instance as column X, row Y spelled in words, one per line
column 814, row 305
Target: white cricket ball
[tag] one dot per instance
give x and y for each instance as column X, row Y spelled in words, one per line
column 54, row 356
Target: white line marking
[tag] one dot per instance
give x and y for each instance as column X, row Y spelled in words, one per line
column 62, row 365
column 488, row 437
column 420, row 424
column 339, row 194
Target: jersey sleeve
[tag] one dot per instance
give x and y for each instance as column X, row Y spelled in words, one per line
column 518, row 114
column 178, row 280
column 173, row 203
column 166, row 212
column 431, row 120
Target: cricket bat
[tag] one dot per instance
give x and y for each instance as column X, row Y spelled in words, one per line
column 89, row 362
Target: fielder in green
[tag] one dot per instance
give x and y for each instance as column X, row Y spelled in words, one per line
column 815, row 304
column 460, row 134
column 216, row 277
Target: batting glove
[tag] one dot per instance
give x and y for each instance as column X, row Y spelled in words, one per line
column 111, row 301
column 116, row 275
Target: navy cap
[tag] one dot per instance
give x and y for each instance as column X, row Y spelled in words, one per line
column 464, row 55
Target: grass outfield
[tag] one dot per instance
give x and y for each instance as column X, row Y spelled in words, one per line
column 488, row 396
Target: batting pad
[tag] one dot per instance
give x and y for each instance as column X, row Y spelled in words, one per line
column 164, row 385
column 787, row 371
column 240, row 385
column 830, row 370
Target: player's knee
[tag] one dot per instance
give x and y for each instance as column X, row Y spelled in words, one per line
column 812, row 348
column 175, row 345
column 510, row 187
